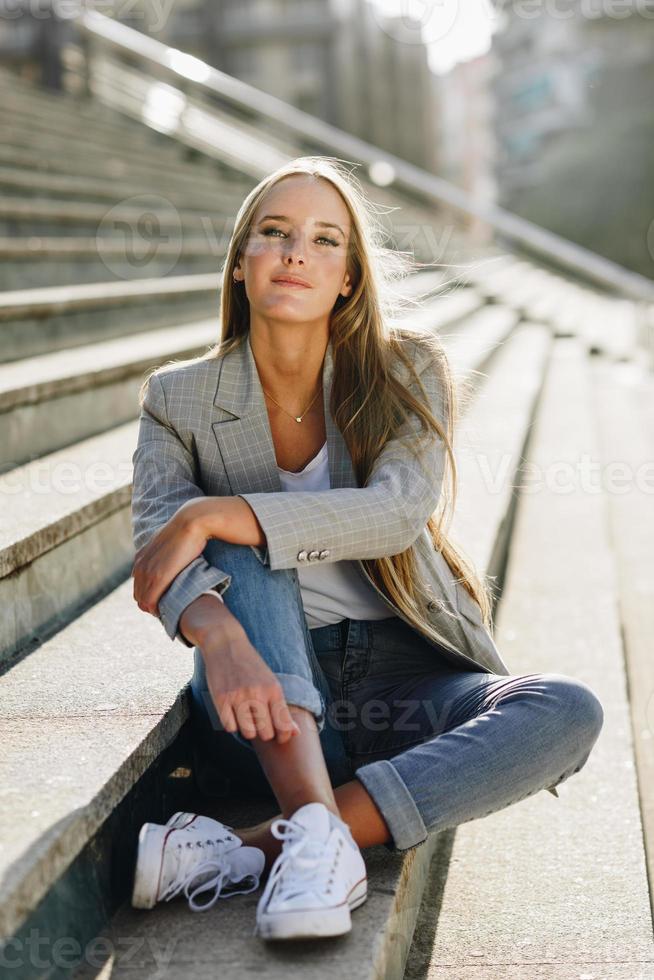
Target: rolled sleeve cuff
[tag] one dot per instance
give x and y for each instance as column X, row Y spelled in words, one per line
column 191, row 582
column 213, row 592
column 398, row 808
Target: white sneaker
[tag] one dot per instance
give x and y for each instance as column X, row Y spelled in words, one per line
column 315, row 881
column 192, row 849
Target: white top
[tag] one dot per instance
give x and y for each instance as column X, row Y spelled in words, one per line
column 331, row 591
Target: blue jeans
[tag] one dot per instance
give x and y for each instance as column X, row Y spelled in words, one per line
column 433, row 745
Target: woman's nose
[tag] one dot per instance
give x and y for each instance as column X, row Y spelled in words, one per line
column 295, row 246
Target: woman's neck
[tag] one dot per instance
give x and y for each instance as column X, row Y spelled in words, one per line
column 289, row 373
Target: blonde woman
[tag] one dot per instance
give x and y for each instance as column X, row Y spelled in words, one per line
column 289, row 523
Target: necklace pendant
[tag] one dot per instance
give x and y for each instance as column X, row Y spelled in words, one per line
column 298, row 419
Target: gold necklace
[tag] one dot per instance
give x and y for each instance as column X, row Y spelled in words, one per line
column 298, row 418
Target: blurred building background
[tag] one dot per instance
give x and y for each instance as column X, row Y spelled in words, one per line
column 574, row 124
column 554, row 121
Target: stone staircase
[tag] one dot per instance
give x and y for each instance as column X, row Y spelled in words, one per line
column 94, row 701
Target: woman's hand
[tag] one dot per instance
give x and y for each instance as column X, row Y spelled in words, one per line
column 171, row 549
column 246, row 693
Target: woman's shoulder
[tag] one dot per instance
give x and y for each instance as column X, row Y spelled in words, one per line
column 187, row 372
column 418, row 346
column 180, row 383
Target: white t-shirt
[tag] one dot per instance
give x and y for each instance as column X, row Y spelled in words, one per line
column 331, row 591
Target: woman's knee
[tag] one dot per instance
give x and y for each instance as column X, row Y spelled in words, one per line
column 583, row 708
column 222, row 553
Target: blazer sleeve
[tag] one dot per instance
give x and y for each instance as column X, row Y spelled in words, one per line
column 383, row 518
column 164, row 478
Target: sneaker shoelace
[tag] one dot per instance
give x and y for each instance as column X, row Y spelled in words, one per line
column 301, row 854
column 189, row 869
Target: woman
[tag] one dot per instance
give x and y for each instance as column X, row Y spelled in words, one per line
column 284, row 499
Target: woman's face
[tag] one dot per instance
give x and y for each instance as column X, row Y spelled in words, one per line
column 301, row 228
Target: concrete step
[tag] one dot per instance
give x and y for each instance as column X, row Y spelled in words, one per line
column 122, row 722
column 61, row 117
column 477, row 337
column 83, row 718
column 65, row 536
column 116, row 166
column 605, row 323
column 73, row 120
column 87, row 154
column 534, row 890
column 40, row 321
column 150, row 218
column 623, row 400
column 19, row 126
column 53, row 186
column 125, row 91
column 54, row 400
column 40, row 261
column 43, row 108
column 25, row 96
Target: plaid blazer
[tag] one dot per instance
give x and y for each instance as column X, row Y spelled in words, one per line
column 204, row 429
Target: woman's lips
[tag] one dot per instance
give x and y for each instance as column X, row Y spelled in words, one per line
column 290, row 285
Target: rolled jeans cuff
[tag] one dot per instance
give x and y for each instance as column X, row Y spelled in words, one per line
column 300, row 692
column 389, row 791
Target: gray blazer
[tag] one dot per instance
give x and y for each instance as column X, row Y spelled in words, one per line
column 204, row 429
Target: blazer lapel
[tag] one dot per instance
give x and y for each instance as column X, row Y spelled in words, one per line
column 242, row 427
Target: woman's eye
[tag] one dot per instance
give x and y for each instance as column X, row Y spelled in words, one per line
column 323, row 238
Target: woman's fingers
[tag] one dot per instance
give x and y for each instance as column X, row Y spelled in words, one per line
column 256, row 718
column 246, row 719
column 260, row 711
column 283, row 721
column 226, row 715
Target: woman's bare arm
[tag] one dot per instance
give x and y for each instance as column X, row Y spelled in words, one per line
column 229, row 519
column 205, row 617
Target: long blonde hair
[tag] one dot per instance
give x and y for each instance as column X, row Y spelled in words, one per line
column 368, row 403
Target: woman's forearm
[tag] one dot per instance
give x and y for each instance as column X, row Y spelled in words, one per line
column 205, row 617
column 231, row 519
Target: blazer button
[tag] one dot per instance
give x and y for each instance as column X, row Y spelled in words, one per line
column 302, row 555
column 324, row 554
column 313, row 555
column 434, row 604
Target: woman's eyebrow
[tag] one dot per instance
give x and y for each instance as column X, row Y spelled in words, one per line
column 283, row 217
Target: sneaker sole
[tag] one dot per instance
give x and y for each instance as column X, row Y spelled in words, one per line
column 148, row 866
column 313, row 923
